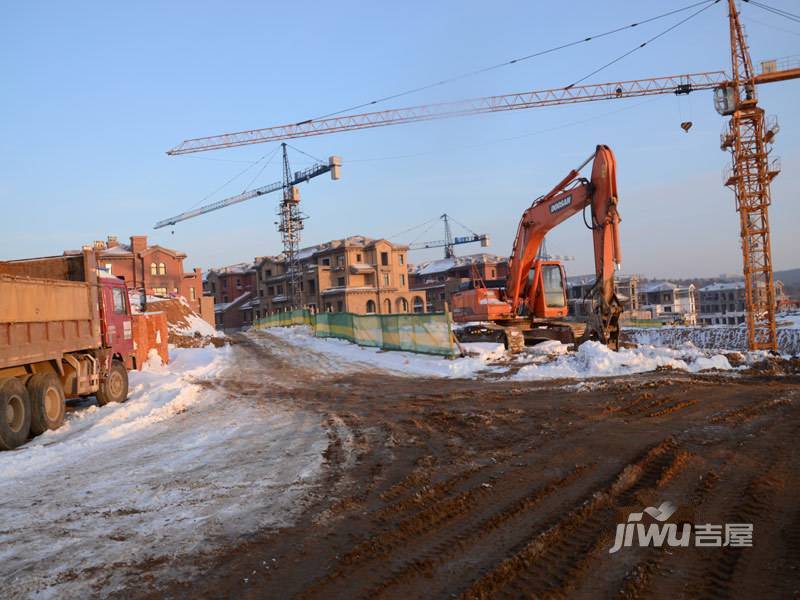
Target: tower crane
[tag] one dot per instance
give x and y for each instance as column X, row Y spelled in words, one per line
column 449, row 242
column 748, row 137
column 291, row 219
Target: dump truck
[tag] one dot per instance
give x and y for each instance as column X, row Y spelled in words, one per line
column 65, row 332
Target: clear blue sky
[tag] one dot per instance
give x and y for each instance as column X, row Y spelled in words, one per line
column 95, row 92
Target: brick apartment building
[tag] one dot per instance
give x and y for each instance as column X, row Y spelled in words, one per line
column 438, row 280
column 153, row 269
column 355, row 274
column 234, row 291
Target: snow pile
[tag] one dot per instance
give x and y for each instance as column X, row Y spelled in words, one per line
column 486, row 351
column 176, row 470
column 187, row 329
column 732, row 337
column 596, row 360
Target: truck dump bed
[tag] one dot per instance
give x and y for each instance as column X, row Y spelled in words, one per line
column 48, row 307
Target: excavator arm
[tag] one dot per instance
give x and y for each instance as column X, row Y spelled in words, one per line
column 572, row 195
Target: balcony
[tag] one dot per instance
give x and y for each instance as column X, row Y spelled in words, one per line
column 774, row 168
column 771, row 129
column 726, row 139
column 729, row 176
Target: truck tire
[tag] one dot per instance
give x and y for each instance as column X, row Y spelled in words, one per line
column 47, row 402
column 15, row 413
column 114, row 388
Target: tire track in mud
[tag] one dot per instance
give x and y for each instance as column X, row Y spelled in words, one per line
column 551, row 561
column 744, row 486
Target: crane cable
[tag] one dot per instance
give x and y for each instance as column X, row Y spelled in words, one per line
column 510, row 62
column 412, row 228
column 776, row 11
column 642, row 45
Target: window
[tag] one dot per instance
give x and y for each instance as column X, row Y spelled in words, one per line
column 402, row 260
column 387, row 305
column 419, row 305
column 328, row 307
column 269, row 272
column 358, row 258
column 370, row 307
column 279, row 289
column 224, row 298
column 385, row 259
column 326, row 262
column 385, row 280
column 238, row 283
column 312, row 286
column 402, row 279
column 271, row 290
column 159, row 291
column 402, row 305
column 192, row 294
column 162, row 269
column 553, row 286
column 493, row 273
column 108, row 267
column 339, row 306
column 224, row 284
column 153, row 269
column 340, row 260
column 441, row 296
column 340, row 281
column 118, row 295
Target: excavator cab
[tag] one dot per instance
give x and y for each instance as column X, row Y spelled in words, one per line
column 547, row 298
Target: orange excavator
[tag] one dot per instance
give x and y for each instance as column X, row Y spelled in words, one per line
column 530, row 305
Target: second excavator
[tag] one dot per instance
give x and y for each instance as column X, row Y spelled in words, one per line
column 530, row 305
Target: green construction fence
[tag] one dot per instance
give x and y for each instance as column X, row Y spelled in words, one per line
column 427, row 333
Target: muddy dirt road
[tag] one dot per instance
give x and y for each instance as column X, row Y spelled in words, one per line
column 478, row 489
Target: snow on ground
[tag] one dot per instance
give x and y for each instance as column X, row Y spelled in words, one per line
column 176, row 469
column 341, row 353
column 548, row 360
column 596, row 360
column 196, row 325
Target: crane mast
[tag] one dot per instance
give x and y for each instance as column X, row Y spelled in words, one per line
column 290, row 225
column 748, row 138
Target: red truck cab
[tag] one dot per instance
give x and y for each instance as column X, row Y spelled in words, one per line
column 116, row 323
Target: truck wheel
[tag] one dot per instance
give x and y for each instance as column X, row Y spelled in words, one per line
column 47, row 402
column 15, row 413
column 114, row 388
